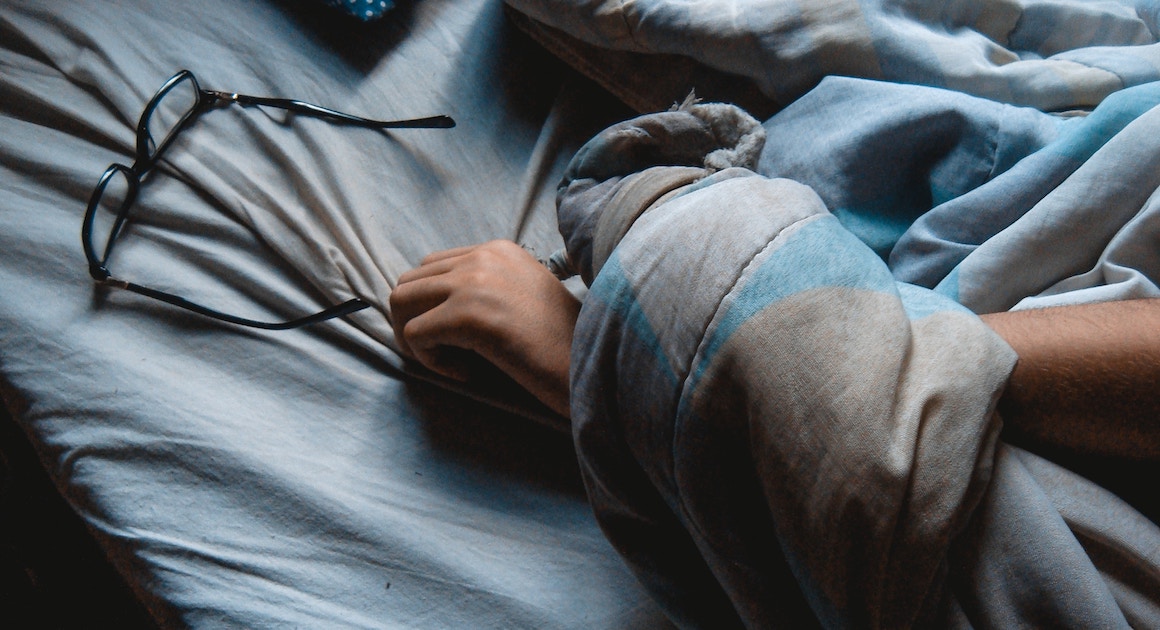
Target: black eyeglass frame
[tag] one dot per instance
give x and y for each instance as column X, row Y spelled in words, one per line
column 145, row 159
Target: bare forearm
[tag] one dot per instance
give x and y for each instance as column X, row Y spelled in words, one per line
column 1088, row 377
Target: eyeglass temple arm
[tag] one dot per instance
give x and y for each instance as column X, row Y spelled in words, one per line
column 338, row 310
column 301, row 107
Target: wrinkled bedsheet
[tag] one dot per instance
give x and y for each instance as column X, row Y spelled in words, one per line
column 783, row 399
column 297, row 479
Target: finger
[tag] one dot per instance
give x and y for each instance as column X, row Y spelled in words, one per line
column 447, row 253
column 453, row 363
column 435, row 264
column 426, row 270
column 443, row 325
column 424, row 294
column 413, row 299
column 442, row 342
column 444, row 261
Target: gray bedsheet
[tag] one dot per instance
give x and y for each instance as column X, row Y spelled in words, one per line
column 289, row 479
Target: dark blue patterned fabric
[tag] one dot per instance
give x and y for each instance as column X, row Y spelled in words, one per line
column 365, row 10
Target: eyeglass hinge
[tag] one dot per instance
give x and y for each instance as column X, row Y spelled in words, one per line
column 113, row 282
column 224, row 96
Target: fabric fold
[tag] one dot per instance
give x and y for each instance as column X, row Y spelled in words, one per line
column 776, row 428
column 803, row 418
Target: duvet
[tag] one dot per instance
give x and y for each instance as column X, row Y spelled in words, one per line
column 783, row 400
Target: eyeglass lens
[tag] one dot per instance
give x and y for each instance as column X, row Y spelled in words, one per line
column 115, row 197
column 170, row 109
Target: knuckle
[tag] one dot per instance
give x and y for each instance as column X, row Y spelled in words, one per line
column 399, row 298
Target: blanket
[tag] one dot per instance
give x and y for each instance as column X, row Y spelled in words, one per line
column 769, row 347
column 783, row 399
column 1050, row 54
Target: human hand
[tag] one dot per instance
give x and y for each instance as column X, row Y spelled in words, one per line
column 497, row 301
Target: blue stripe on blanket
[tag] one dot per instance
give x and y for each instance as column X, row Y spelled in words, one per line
column 613, row 288
column 943, row 238
column 820, row 254
column 1088, row 135
column 1039, row 175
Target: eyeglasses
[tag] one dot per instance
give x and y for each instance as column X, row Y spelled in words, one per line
column 170, row 111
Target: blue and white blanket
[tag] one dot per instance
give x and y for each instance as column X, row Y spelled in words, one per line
column 1049, row 54
column 783, row 400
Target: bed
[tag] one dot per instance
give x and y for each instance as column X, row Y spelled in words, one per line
column 313, row 477
column 307, row 478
